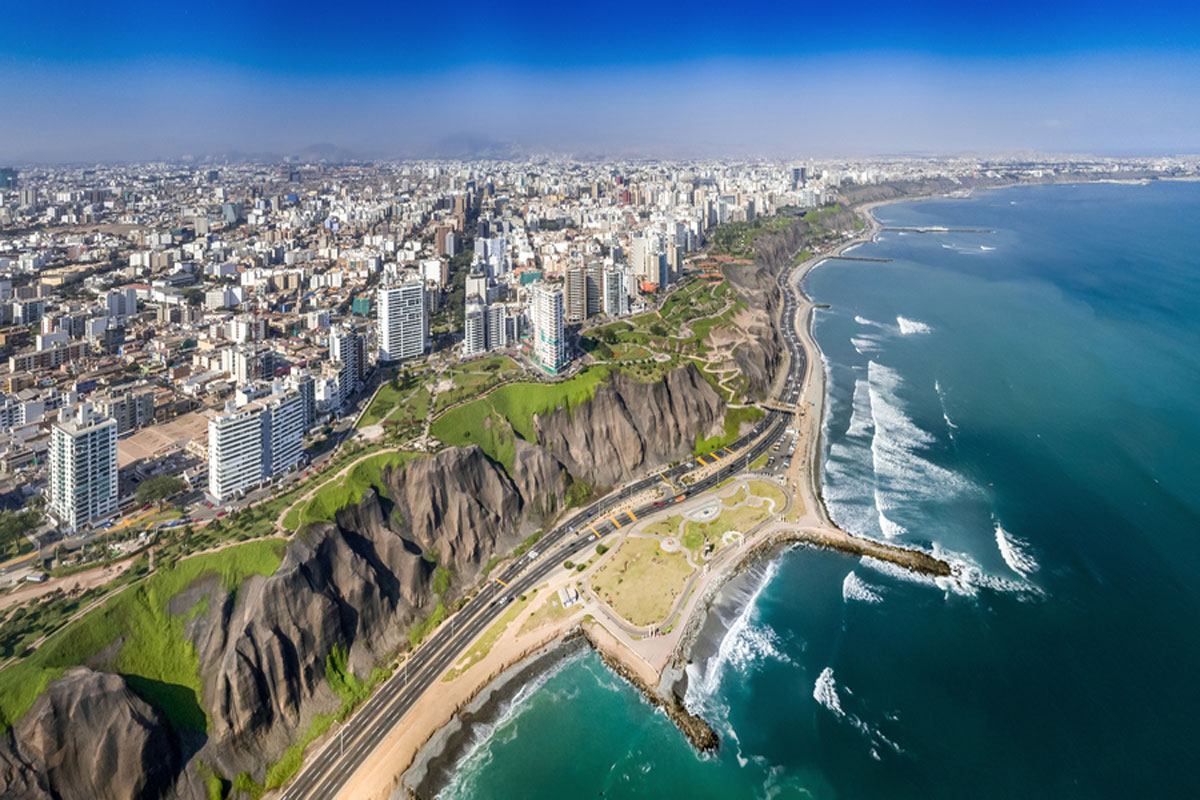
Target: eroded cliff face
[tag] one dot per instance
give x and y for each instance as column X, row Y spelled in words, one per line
column 263, row 651
column 359, row 584
column 465, row 508
column 760, row 355
column 90, row 737
column 629, row 427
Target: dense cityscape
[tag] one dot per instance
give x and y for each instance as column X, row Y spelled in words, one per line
column 207, row 323
column 429, row 390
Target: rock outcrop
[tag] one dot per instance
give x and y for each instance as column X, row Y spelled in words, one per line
column 628, row 427
column 462, row 506
column 359, row 584
column 89, row 737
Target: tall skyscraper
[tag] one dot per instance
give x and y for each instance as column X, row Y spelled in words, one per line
column 595, row 288
column 614, row 292
column 403, row 323
column 346, row 345
column 497, row 327
column 8, row 178
column 549, row 348
column 83, row 467
column 254, row 443
column 576, row 291
column 474, row 327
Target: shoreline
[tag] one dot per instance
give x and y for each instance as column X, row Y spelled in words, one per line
column 436, row 742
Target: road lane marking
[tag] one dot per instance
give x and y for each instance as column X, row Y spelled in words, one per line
column 614, row 521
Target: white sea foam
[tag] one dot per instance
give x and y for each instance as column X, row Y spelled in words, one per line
column 478, row 755
column 985, row 247
column 860, row 417
column 825, row 692
column 1016, row 553
column 910, row 326
column 889, row 527
column 899, row 468
column 863, row 320
column 855, row 588
column 950, row 426
column 865, row 345
column 743, row 644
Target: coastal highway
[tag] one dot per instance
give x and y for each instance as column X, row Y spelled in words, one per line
column 350, row 744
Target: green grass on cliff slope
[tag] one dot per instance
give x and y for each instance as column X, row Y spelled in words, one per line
column 734, row 417
column 484, row 421
column 135, row 635
column 337, row 493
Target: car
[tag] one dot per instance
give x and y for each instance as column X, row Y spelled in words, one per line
column 221, row 514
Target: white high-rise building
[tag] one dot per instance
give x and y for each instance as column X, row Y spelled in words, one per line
column 403, row 323
column 497, row 327
column 549, row 348
column 254, row 443
column 83, row 467
column 474, row 328
column 614, row 294
column 346, row 347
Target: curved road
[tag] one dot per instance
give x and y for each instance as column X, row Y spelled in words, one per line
column 325, row 775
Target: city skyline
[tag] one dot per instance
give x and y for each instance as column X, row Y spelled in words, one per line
column 697, row 81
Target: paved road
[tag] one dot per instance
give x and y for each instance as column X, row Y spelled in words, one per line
column 325, row 775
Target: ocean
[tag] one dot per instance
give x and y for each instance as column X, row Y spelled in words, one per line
column 1027, row 403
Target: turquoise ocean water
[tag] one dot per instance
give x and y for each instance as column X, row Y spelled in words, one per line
column 1027, row 402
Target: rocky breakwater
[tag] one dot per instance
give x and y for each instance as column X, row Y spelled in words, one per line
column 628, row 427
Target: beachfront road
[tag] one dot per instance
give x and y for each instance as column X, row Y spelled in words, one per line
column 349, row 745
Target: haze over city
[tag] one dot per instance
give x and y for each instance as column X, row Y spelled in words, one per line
column 137, row 80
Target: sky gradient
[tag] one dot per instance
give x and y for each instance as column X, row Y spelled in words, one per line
column 137, row 80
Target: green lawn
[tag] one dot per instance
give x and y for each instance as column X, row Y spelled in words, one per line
column 490, row 421
column 156, row 658
column 408, row 392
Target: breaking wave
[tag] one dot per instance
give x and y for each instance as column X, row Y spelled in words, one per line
column 743, row 644
column 1015, row 553
column 865, row 345
column 908, row 327
column 503, row 729
column 860, row 416
column 825, row 692
column 855, row 588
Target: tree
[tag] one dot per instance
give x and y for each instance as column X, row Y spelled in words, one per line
column 159, row 488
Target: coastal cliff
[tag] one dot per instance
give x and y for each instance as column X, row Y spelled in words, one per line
column 629, row 427
column 344, row 597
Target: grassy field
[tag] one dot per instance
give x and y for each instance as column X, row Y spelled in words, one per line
column 697, row 534
column 769, row 491
column 155, row 657
column 549, row 611
column 491, row 421
column 641, row 582
column 734, row 417
column 404, row 401
column 476, row 377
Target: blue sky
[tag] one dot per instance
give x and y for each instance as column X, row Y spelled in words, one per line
column 91, row 80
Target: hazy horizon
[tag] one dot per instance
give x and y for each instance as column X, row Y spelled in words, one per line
column 133, row 81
